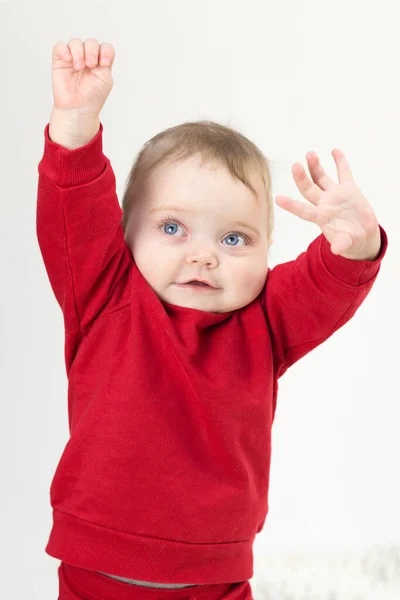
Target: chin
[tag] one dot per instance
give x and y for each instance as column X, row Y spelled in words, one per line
column 196, row 303
column 205, row 306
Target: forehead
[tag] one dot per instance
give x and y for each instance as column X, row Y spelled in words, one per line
column 204, row 185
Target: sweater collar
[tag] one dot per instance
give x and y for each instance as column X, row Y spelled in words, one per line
column 201, row 318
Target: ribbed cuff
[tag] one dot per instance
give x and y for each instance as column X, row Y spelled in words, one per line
column 70, row 168
column 353, row 272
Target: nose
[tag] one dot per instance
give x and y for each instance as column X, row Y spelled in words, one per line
column 202, row 258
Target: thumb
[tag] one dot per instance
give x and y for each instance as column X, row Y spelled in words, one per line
column 341, row 242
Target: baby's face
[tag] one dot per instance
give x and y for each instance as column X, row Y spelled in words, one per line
column 191, row 221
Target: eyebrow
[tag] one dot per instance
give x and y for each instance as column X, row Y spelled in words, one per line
column 179, row 209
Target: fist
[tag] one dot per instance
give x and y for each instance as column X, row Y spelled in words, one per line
column 81, row 75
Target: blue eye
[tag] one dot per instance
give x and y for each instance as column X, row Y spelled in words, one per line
column 233, row 236
column 168, row 226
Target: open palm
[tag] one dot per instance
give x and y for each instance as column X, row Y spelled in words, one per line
column 341, row 211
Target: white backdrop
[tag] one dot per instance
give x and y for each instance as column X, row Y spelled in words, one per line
column 293, row 77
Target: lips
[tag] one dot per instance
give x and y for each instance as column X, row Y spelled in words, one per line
column 199, row 283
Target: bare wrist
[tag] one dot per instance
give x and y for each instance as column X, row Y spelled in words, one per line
column 73, row 128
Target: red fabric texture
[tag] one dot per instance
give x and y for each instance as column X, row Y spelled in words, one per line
column 79, row 584
column 165, row 474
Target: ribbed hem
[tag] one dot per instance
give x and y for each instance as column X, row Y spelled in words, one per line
column 96, row 548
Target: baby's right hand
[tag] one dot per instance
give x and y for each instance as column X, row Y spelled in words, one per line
column 82, row 79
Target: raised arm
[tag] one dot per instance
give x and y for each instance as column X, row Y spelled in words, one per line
column 78, row 214
column 308, row 299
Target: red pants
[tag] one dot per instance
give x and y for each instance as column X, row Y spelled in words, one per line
column 80, row 584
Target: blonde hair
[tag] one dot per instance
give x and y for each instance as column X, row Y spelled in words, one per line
column 214, row 142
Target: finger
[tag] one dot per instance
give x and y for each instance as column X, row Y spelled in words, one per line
column 317, row 173
column 107, row 55
column 61, row 53
column 343, row 167
column 304, row 184
column 91, row 46
column 299, row 209
column 78, row 52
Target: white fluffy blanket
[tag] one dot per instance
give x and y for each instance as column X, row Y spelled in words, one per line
column 368, row 575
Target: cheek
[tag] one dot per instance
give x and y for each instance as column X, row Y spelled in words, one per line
column 152, row 259
column 250, row 275
column 144, row 253
column 253, row 283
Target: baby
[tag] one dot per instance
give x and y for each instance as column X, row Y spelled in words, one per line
column 176, row 333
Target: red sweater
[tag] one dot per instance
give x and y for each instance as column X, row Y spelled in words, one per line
column 165, row 475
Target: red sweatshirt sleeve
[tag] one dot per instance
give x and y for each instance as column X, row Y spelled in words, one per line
column 308, row 299
column 78, row 225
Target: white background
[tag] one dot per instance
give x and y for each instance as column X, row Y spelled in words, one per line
column 293, row 77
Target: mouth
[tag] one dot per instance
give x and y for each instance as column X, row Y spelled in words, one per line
column 198, row 285
column 195, row 282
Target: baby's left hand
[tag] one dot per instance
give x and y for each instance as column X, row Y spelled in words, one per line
column 339, row 209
